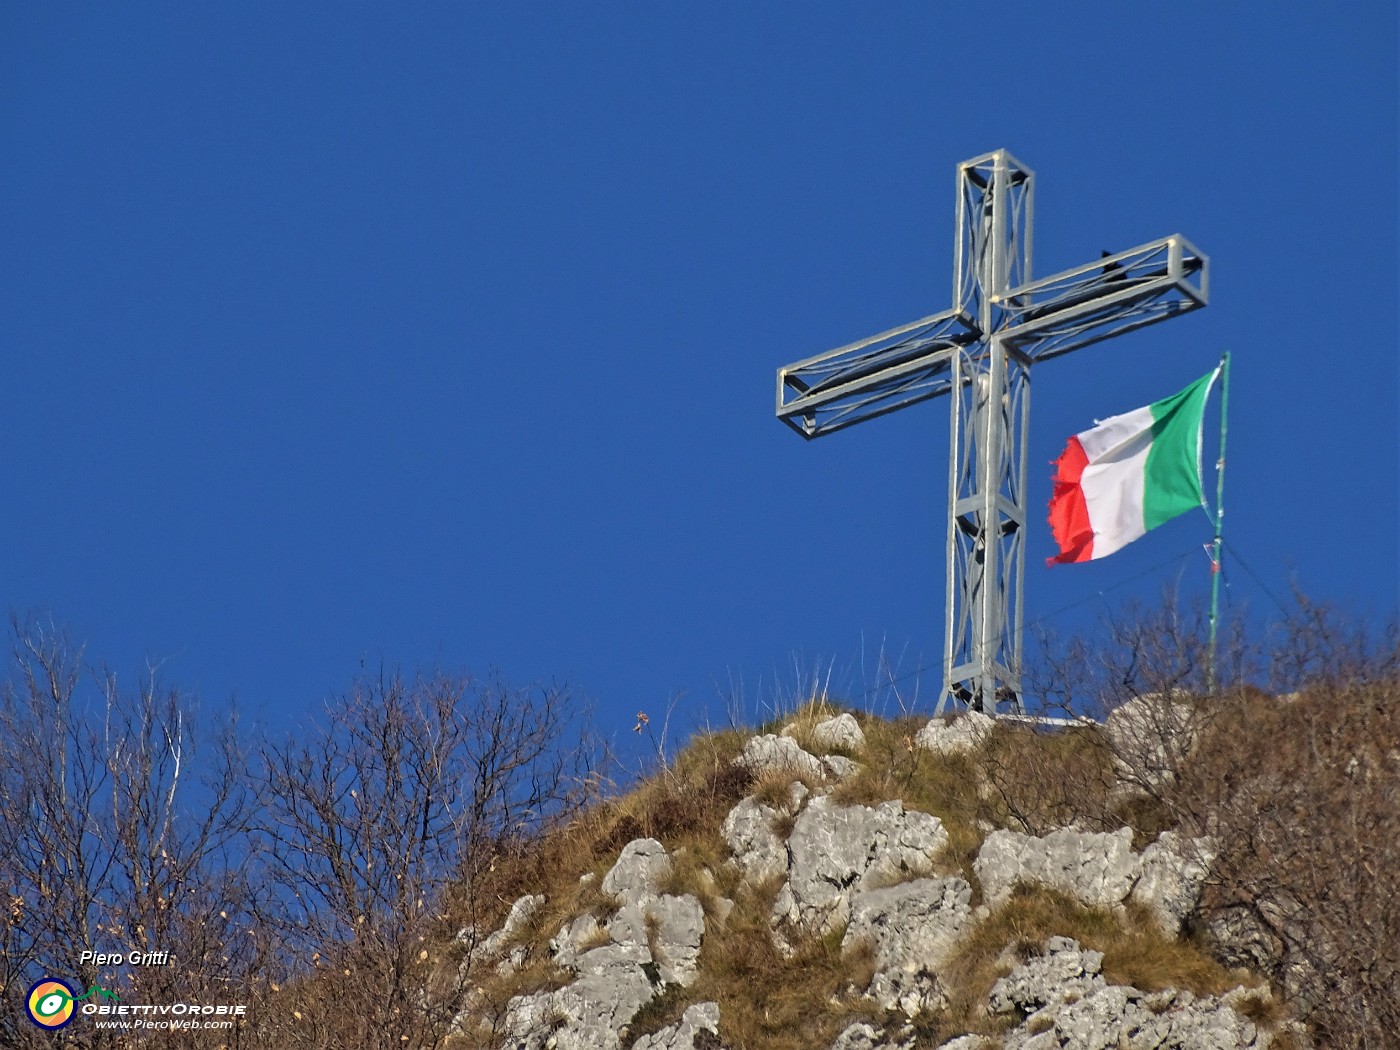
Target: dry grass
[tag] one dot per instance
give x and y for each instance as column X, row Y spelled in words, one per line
column 682, row 806
column 1021, row 779
column 1140, row 955
column 768, row 1002
column 1133, row 953
column 799, row 723
column 947, row 786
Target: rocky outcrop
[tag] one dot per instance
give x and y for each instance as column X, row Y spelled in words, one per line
column 842, row 733
column 870, row 874
column 913, row 929
column 670, row 927
column 1063, row 1001
column 1150, row 735
column 962, row 734
column 1100, row 870
column 863, row 1036
column 1063, row 974
column 1097, row 869
column 1174, row 868
column 764, row 755
column 612, row 984
column 698, row 1029
column 749, row 832
column 655, row 941
column 780, row 754
column 501, row 946
column 836, row 852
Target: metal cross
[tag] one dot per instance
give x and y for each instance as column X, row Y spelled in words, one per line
column 981, row 352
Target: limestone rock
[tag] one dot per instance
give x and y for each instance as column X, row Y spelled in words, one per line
column 964, row 733
column 1203, row 1024
column 912, row 929
column 835, row 851
column 666, row 927
column 1064, row 972
column 839, row 767
column 969, row 1042
column 499, row 945
column 639, row 870
column 842, row 733
column 1099, row 869
column 612, row 986
column 858, row 1036
column 676, row 926
column 769, row 753
column 1119, row 1016
column 1064, row 1002
column 574, row 938
column 1173, row 870
column 698, row 1029
column 655, row 939
column 757, row 849
column 1105, row 1020
column 520, row 913
column 863, row 1036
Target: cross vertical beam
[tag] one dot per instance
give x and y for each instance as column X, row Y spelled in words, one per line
column 980, row 352
column 986, row 550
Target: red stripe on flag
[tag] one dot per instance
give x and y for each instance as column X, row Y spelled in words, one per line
column 1069, row 514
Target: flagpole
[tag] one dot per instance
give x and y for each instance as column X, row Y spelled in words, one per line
column 1219, row 520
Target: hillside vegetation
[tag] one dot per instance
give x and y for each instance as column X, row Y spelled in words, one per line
column 1291, row 795
column 429, row 872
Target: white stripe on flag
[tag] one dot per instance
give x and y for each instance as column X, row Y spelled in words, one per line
column 1115, row 480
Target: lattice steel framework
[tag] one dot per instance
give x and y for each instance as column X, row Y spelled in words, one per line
column 981, row 351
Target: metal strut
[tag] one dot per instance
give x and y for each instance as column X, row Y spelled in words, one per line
column 981, row 352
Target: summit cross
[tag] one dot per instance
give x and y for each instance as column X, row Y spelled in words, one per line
column 981, row 352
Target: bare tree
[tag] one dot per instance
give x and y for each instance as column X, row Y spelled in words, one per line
column 118, row 823
column 1299, row 786
column 408, row 787
column 1290, row 770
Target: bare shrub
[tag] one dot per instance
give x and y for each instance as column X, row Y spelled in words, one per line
column 409, row 785
column 1037, row 781
column 1301, row 792
column 1291, row 767
column 119, row 829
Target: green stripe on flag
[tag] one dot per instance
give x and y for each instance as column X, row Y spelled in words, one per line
column 1173, row 471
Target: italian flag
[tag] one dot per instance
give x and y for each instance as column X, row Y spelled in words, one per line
column 1129, row 474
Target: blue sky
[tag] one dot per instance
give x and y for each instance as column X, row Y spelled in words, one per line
column 340, row 334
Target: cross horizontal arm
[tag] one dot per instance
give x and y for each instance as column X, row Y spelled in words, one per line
column 1116, row 294
column 869, row 378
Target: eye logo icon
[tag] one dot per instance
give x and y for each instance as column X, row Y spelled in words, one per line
column 50, row 1003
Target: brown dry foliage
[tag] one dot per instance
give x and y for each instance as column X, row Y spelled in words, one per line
column 119, row 810
column 774, row 1003
column 378, row 851
column 1308, row 825
column 1292, row 768
column 1134, row 952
